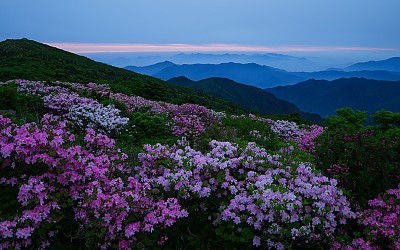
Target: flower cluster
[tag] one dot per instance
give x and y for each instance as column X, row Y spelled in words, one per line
column 96, row 116
column 191, row 119
column 134, row 103
column 187, row 119
column 92, row 181
column 286, row 130
column 383, row 218
column 102, row 89
column 280, row 200
column 83, row 112
column 38, row 88
column 63, row 102
column 381, row 223
column 307, row 137
column 290, row 131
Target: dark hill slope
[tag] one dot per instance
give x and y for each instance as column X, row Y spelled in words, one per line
column 324, row 97
column 247, row 96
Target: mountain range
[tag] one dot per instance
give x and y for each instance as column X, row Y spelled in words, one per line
column 264, row 76
column 249, row 73
column 324, row 97
column 291, row 63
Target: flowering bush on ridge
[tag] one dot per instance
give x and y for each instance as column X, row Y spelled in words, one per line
column 380, row 223
column 279, row 201
column 382, row 220
column 92, row 181
column 82, row 111
column 289, row 131
column 187, row 119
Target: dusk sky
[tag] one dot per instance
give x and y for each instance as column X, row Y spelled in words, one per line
column 370, row 26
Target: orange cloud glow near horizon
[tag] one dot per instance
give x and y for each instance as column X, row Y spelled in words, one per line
column 97, row 48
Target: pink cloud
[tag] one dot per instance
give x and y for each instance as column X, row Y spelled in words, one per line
column 93, row 48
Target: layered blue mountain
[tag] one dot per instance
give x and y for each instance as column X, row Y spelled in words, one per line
column 286, row 62
column 151, row 69
column 391, row 64
column 247, row 96
column 291, row 63
column 324, row 97
column 249, row 73
column 256, row 75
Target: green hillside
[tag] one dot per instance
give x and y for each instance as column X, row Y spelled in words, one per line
column 27, row 59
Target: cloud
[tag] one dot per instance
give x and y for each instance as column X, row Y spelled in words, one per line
column 95, row 48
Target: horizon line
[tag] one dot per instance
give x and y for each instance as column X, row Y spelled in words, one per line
column 141, row 47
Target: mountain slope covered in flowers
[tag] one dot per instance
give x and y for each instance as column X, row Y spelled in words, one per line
column 83, row 166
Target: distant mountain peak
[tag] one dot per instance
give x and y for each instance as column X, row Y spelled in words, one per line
column 165, row 63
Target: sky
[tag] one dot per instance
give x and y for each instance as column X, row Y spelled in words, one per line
column 369, row 27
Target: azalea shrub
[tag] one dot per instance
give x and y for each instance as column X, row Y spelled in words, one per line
column 382, row 219
column 105, row 119
column 259, row 198
column 53, row 177
column 378, row 224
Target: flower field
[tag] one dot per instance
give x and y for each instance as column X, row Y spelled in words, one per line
column 83, row 167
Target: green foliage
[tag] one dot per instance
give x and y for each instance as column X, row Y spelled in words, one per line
column 147, row 127
column 366, row 161
column 241, row 130
column 19, row 106
column 155, row 91
column 387, row 119
column 198, row 233
column 8, row 96
column 347, row 120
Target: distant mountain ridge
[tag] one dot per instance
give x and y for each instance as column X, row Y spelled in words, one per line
column 256, row 75
column 324, row 97
column 390, row 64
column 249, row 73
column 275, row 60
column 247, row 96
column 291, row 63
